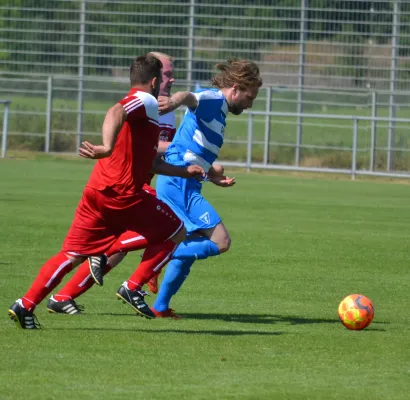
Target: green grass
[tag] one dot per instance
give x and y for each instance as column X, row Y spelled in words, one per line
column 260, row 321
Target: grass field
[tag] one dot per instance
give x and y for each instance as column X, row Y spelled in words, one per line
column 260, row 321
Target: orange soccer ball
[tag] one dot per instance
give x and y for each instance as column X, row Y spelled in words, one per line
column 356, row 312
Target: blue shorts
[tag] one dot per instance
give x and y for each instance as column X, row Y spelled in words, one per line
column 185, row 199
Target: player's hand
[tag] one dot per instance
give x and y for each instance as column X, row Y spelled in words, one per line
column 223, row 181
column 166, row 105
column 195, row 171
column 94, row 152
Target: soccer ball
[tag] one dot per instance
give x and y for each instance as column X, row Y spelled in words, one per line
column 356, row 312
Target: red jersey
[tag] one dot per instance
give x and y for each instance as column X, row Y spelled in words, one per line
column 130, row 163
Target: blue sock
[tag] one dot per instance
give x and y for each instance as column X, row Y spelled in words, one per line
column 197, row 248
column 175, row 274
column 179, row 267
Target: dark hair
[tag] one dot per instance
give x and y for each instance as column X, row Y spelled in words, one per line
column 145, row 68
column 244, row 73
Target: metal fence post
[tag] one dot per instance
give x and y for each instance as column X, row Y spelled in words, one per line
column 373, row 138
column 267, row 125
column 301, row 84
column 5, row 128
column 354, row 147
column 49, row 113
column 81, row 51
column 191, row 44
column 393, row 85
column 249, row 146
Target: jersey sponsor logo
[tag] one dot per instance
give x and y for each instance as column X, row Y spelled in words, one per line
column 205, row 218
column 163, row 136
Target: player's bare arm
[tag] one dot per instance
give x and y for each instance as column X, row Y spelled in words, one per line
column 114, row 119
column 161, row 167
column 168, row 104
column 217, row 177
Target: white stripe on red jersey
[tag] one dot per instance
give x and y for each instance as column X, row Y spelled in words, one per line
column 153, row 121
column 132, row 104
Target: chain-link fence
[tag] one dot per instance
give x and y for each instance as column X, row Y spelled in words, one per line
column 63, row 62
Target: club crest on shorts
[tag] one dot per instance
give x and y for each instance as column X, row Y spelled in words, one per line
column 205, row 218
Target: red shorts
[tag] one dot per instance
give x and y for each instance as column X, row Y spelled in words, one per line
column 102, row 216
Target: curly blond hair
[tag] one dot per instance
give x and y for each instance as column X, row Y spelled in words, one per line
column 244, row 73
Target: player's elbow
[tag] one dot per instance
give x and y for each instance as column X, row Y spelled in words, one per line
column 224, row 244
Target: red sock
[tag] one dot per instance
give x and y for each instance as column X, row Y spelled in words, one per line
column 79, row 283
column 155, row 258
column 50, row 275
column 128, row 241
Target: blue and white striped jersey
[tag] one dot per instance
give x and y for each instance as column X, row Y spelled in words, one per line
column 201, row 134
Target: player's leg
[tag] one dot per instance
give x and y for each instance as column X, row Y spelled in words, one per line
column 162, row 228
column 98, row 266
column 49, row 276
column 155, row 257
column 87, row 235
column 63, row 302
column 216, row 242
column 175, row 275
column 198, row 216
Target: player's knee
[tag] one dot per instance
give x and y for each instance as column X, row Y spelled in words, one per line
column 224, row 244
column 180, row 236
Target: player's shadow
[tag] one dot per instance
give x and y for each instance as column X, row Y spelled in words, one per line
column 221, row 332
column 109, row 314
column 11, row 199
column 260, row 318
column 241, row 318
column 248, row 319
column 275, row 318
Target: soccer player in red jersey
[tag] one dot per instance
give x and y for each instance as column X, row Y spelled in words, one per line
column 113, row 201
column 82, row 280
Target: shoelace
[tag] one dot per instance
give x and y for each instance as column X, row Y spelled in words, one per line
column 140, row 298
column 78, row 307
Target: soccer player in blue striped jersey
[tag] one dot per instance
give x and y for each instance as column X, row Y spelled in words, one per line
column 198, row 142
